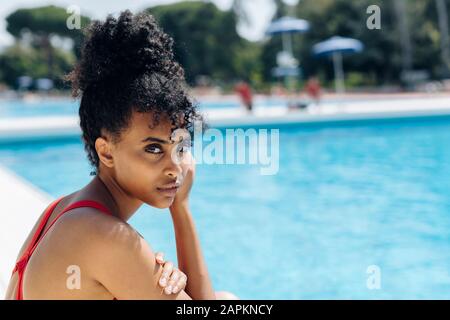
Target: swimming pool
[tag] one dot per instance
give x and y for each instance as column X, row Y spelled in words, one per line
column 345, row 198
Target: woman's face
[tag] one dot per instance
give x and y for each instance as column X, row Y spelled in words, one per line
column 145, row 160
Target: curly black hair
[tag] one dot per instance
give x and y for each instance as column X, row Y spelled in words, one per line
column 127, row 64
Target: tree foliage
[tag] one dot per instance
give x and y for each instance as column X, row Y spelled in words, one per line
column 381, row 60
column 207, row 42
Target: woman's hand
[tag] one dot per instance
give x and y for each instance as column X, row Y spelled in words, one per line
column 182, row 196
column 172, row 279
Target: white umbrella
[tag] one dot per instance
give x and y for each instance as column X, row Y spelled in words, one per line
column 286, row 26
column 336, row 47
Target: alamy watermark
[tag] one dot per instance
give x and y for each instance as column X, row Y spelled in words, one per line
column 259, row 147
column 73, row 21
column 374, row 20
column 73, row 281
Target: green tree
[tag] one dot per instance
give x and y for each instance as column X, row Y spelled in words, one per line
column 40, row 25
column 19, row 60
column 206, row 40
column 381, row 60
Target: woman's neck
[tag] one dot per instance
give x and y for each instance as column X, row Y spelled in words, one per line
column 119, row 203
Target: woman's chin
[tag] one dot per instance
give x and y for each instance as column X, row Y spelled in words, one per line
column 163, row 203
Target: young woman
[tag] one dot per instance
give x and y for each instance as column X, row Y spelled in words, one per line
column 132, row 103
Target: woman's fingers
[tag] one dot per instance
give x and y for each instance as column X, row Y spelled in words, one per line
column 180, row 283
column 159, row 257
column 166, row 272
column 172, row 279
column 175, row 276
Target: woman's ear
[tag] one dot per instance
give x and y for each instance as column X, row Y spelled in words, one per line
column 103, row 147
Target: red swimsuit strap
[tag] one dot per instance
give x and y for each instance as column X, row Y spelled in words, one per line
column 21, row 264
column 78, row 204
column 36, row 235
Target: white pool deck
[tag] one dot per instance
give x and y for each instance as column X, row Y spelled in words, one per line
column 29, row 129
column 22, row 202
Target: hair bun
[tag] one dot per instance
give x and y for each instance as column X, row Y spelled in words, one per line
column 124, row 48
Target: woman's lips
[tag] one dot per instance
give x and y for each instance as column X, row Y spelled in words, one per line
column 168, row 192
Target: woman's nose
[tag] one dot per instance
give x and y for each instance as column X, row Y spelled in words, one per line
column 173, row 170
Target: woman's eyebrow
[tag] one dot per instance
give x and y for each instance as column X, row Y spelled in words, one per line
column 154, row 139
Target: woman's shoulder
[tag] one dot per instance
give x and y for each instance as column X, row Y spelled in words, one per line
column 94, row 222
column 88, row 230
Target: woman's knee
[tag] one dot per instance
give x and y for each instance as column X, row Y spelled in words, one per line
column 225, row 295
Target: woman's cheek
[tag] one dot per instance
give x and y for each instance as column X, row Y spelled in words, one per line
column 130, row 169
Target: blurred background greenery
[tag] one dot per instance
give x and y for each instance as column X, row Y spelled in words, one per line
column 212, row 52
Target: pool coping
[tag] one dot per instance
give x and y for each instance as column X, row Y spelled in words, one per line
column 22, row 204
column 41, row 128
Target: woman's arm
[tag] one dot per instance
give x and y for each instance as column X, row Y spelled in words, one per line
column 189, row 253
column 125, row 264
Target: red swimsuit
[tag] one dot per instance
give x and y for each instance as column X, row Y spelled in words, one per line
column 22, row 263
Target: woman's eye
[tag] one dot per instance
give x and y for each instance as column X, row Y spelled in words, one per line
column 154, row 148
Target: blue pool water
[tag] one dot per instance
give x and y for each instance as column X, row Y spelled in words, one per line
column 345, row 198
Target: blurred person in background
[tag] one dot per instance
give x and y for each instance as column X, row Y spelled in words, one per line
column 313, row 89
column 245, row 93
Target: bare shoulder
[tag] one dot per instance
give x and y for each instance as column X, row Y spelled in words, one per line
column 92, row 228
column 115, row 255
